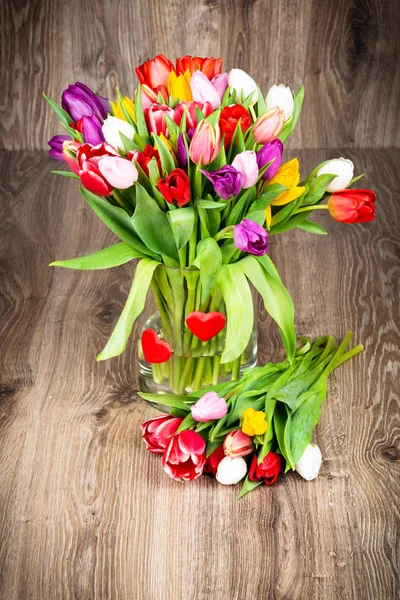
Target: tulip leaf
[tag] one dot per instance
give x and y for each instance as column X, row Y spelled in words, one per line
column 355, row 179
column 117, row 219
column 182, row 223
column 167, row 162
column 261, row 107
column 210, row 204
column 213, row 119
column 66, row 174
column 208, row 261
column 128, row 144
column 127, row 116
column 139, row 115
column 282, row 427
column 258, row 216
column 200, row 116
column 312, row 227
column 291, row 123
column 172, row 400
column 132, row 309
column 228, row 250
column 316, row 189
column 152, row 226
column 60, row 112
column 241, row 206
column 211, row 447
column 113, row 256
column 248, row 486
column 270, row 193
column 173, row 129
column 285, row 212
column 305, row 418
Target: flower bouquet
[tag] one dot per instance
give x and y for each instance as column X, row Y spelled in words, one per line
column 190, row 178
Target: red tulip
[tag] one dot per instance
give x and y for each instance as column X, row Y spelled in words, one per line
column 213, row 460
column 268, row 470
column 184, row 456
column 352, row 206
column 175, row 187
column 237, row 443
column 209, row 66
column 157, row 432
column 191, row 117
column 155, row 120
column 204, row 146
column 143, row 158
column 86, row 151
column 229, row 119
column 155, row 72
column 92, row 179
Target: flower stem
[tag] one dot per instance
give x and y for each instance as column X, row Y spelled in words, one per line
column 309, row 208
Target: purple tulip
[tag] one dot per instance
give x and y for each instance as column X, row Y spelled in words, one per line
column 272, row 150
column 92, row 131
column 227, row 181
column 79, row 101
column 250, row 237
column 56, row 145
column 181, row 152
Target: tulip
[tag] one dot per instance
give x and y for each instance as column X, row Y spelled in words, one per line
column 181, row 153
column 157, row 432
column 281, row 97
column 112, row 127
column 268, row 126
column 230, row 117
column 209, row 66
column 309, row 464
column 143, row 158
column 227, row 181
column 220, row 84
column 149, row 97
column 69, row 151
column 243, row 85
column 209, row 407
column 87, row 165
column 231, row 470
column 179, row 86
column 127, row 104
column 246, row 164
column 343, row 168
column 79, row 101
column 56, row 146
column 289, row 176
column 175, row 187
column 204, row 146
column 249, row 236
column 86, row 151
column 254, row 422
column 267, row 471
column 271, row 151
column 203, row 90
column 237, row 443
column 184, row 456
column 155, row 118
column 191, row 116
column 92, row 179
column 91, row 128
column 119, row 172
column 155, row 72
column 352, row 206
column 213, row 460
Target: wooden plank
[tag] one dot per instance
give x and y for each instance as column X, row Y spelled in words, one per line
column 87, row 513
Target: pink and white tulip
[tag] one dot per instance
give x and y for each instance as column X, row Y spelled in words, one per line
column 282, row 97
column 268, row 126
column 119, row 172
column 237, row 443
column 203, row 90
column 209, row 407
column 246, row 164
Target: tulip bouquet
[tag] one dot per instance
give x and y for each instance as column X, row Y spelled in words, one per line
column 189, row 176
column 256, row 427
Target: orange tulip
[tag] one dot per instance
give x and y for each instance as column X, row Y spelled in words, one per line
column 209, row 66
column 155, row 72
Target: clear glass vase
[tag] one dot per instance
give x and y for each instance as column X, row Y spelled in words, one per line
column 194, row 363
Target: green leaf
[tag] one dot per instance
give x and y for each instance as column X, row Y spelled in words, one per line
column 128, row 144
column 211, row 447
column 60, row 112
column 187, row 423
column 312, row 227
column 248, row 486
column 282, row 426
column 316, row 189
column 213, row 119
column 152, row 226
column 116, row 219
column 355, row 179
column 173, row 129
column 66, row 174
column 210, row 204
column 140, row 120
column 167, row 162
column 239, row 310
column 113, row 256
column 305, row 418
column 257, row 216
column 132, row 309
column 182, row 223
column 208, row 261
column 172, row 400
column 291, row 123
column 241, row 206
column 127, row 117
column 261, row 107
column 228, row 250
column 268, row 196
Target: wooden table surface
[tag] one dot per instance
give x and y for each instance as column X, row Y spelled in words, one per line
column 86, row 513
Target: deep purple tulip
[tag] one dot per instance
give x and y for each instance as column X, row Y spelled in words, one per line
column 91, row 129
column 79, row 101
column 181, row 152
column 270, row 151
column 56, row 145
column 227, row 181
column 250, row 237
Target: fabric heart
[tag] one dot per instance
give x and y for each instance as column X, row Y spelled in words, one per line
column 155, row 350
column 205, row 325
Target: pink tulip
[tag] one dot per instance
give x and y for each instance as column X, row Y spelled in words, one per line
column 184, row 456
column 208, row 407
column 155, row 120
column 148, row 96
column 220, row 83
column 156, row 432
column 119, row 172
column 203, row 90
column 204, row 146
column 246, row 164
column 269, row 125
column 238, row 443
column 70, row 148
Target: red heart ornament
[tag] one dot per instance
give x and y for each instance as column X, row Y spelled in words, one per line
column 155, row 350
column 205, row 325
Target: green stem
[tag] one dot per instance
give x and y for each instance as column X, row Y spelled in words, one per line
column 223, row 233
column 236, row 368
column 308, row 208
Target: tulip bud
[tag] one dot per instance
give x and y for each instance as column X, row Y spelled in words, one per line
column 220, row 84
column 309, row 464
column 244, row 85
column 112, row 127
column 148, row 96
column 208, row 407
column 343, row 168
column 203, row 90
column 282, row 97
column 246, row 164
column 268, row 126
column 119, row 172
column 204, row 146
column 237, row 443
column 231, row 470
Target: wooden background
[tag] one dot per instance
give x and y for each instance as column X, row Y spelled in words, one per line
column 85, row 512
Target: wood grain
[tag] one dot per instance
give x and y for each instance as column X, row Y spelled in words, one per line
column 86, row 513
column 345, row 52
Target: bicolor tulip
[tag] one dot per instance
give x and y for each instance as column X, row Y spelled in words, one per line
column 246, row 163
column 270, row 152
column 249, row 236
column 309, row 464
column 118, row 172
column 143, row 158
column 209, row 66
column 127, row 104
column 288, row 175
column 209, row 407
column 203, row 90
column 213, row 460
column 237, row 443
column 184, row 456
column 56, row 146
column 175, row 187
column 343, row 168
column 157, row 431
column 268, row 126
column 268, row 470
column 282, row 97
column 155, row 72
column 243, row 85
column 352, row 206
column 254, row 422
column 227, row 181
column 220, row 84
column 231, row 470
column 112, row 127
column 179, row 86
column 230, row 117
column 69, row 152
column 204, row 145
column 191, row 116
column 149, row 97
column 155, row 118
column 79, row 101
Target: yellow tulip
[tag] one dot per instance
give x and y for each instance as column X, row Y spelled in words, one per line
column 254, row 422
column 127, row 104
column 178, row 86
column 289, row 176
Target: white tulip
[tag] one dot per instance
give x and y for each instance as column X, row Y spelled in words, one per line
column 310, row 463
column 241, row 82
column 343, row 168
column 231, row 470
column 112, row 127
column 281, row 96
